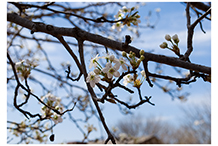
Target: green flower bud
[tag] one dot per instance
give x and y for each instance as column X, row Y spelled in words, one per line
column 130, row 55
column 142, row 57
column 133, row 8
column 141, row 52
column 138, row 61
column 124, row 54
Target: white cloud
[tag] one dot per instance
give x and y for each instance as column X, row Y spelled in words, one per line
column 200, row 37
column 152, row 41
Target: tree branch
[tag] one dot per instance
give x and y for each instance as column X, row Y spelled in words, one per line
column 75, row 32
column 190, row 28
column 93, row 95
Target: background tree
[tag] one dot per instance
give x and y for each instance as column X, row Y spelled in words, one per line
column 75, row 85
column 195, row 127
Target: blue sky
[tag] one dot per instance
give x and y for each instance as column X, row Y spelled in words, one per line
column 172, row 21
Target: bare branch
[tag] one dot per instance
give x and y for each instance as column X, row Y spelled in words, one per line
column 75, row 32
column 91, row 91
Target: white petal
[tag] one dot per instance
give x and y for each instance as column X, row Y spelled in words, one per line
column 88, row 79
column 108, row 65
column 97, row 79
column 109, row 75
column 92, row 84
column 117, row 66
column 124, row 67
column 105, row 70
column 90, row 65
column 116, row 74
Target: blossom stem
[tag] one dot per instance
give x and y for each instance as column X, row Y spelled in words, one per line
column 143, row 79
column 172, row 42
column 98, row 65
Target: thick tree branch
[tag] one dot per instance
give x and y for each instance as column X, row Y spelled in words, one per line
column 200, row 6
column 76, row 32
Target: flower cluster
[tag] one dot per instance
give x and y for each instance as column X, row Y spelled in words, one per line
column 125, row 14
column 112, row 66
column 133, row 79
column 90, row 128
column 174, row 40
column 132, row 58
column 54, row 102
column 24, row 70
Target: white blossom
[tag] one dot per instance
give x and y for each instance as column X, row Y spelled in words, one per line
column 31, row 63
column 119, row 15
column 127, row 79
column 92, row 79
column 121, row 62
column 125, row 9
column 19, row 64
column 49, row 97
column 111, row 71
column 118, row 26
column 93, row 62
column 57, row 118
column 24, row 70
column 111, row 58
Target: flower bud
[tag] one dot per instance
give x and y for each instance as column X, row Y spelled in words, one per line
column 167, row 37
column 176, row 49
column 175, row 38
column 142, row 57
column 164, row 45
column 141, row 52
column 133, row 8
column 130, row 55
column 137, row 83
column 57, row 107
column 111, row 57
column 96, row 71
column 138, row 61
column 137, row 16
column 124, row 54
